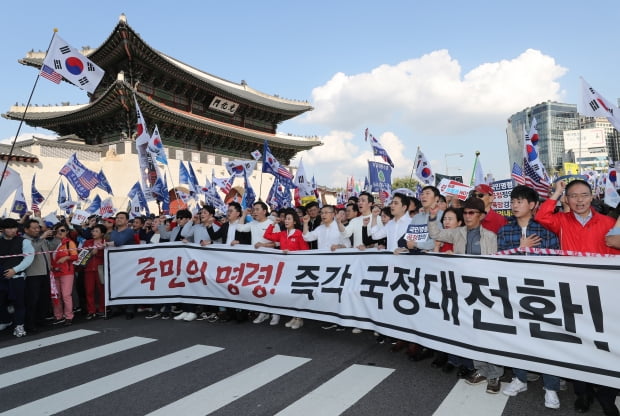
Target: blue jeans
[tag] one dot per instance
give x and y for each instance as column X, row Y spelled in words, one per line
column 549, row 382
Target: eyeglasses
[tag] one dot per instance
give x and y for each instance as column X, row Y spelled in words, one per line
column 61, row 230
column 471, row 212
column 479, row 195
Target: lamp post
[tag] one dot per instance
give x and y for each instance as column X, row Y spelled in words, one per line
column 446, row 159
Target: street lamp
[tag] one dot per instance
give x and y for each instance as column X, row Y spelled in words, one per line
column 446, row 158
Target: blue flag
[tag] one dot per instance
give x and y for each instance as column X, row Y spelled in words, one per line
column 272, row 166
column 62, row 194
column 165, row 201
column 136, row 190
column 79, row 176
column 35, row 195
column 380, row 176
column 19, row 203
column 184, row 174
column 366, row 184
column 377, row 149
column 279, row 195
column 160, row 190
column 94, row 207
column 249, row 196
column 212, row 197
column 193, row 180
column 103, row 183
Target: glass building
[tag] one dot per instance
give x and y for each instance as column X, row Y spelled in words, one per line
column 553, row 119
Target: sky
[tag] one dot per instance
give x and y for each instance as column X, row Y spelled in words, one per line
column 441, row 76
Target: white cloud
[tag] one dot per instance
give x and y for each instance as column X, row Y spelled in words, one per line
column 429, row 102
column 430, row 94
column 344, row 154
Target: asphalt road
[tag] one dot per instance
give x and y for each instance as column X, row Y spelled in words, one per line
column 137, row 367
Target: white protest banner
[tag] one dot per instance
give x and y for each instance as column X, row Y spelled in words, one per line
column 417, row 232
column 79, row 216
column 449, row 187
column 554, row 315
column 501, row 192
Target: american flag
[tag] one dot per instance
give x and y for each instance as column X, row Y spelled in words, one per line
column 35, row 195
column 533, row 180
column 517, row 174
column 49, row 73
column 89, row 181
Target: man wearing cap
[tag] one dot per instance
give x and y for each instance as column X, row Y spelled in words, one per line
column 16, row 254
column 472, row 238
column 492, row 221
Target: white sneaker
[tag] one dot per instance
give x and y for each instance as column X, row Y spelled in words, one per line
column 290, row 323
column 262, row 317
column 190, row 316
column 5, row 326
column 275, row 319
column 298, row 323
column 180, row 316
column 515, row 387
column 356, row 331
column 19, row 331
column 551, row 399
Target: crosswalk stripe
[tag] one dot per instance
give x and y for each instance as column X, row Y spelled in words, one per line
column 223, row 392
column 339, row 393
column 47, row 367
column 464, row 399
column 44, row 342
column 80, row 394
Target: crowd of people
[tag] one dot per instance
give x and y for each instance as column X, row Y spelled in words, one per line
column 54, row 271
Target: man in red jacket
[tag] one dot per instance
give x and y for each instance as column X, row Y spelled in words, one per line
column 581, row 229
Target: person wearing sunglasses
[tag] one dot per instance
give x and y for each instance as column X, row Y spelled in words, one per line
column 492, row 220
column 62, row 268
column 471, row 238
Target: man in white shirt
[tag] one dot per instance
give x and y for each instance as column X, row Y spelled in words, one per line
column 256, row 227
column 356, row 225
column 327, row 235
column 397, row 226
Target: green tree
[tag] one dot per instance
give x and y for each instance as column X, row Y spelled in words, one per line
column 404, row 182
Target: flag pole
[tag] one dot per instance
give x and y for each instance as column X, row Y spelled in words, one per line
column 49, row 194
column 172, row 181
column 413, row 168
column 21, row 122
column 473, row 173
